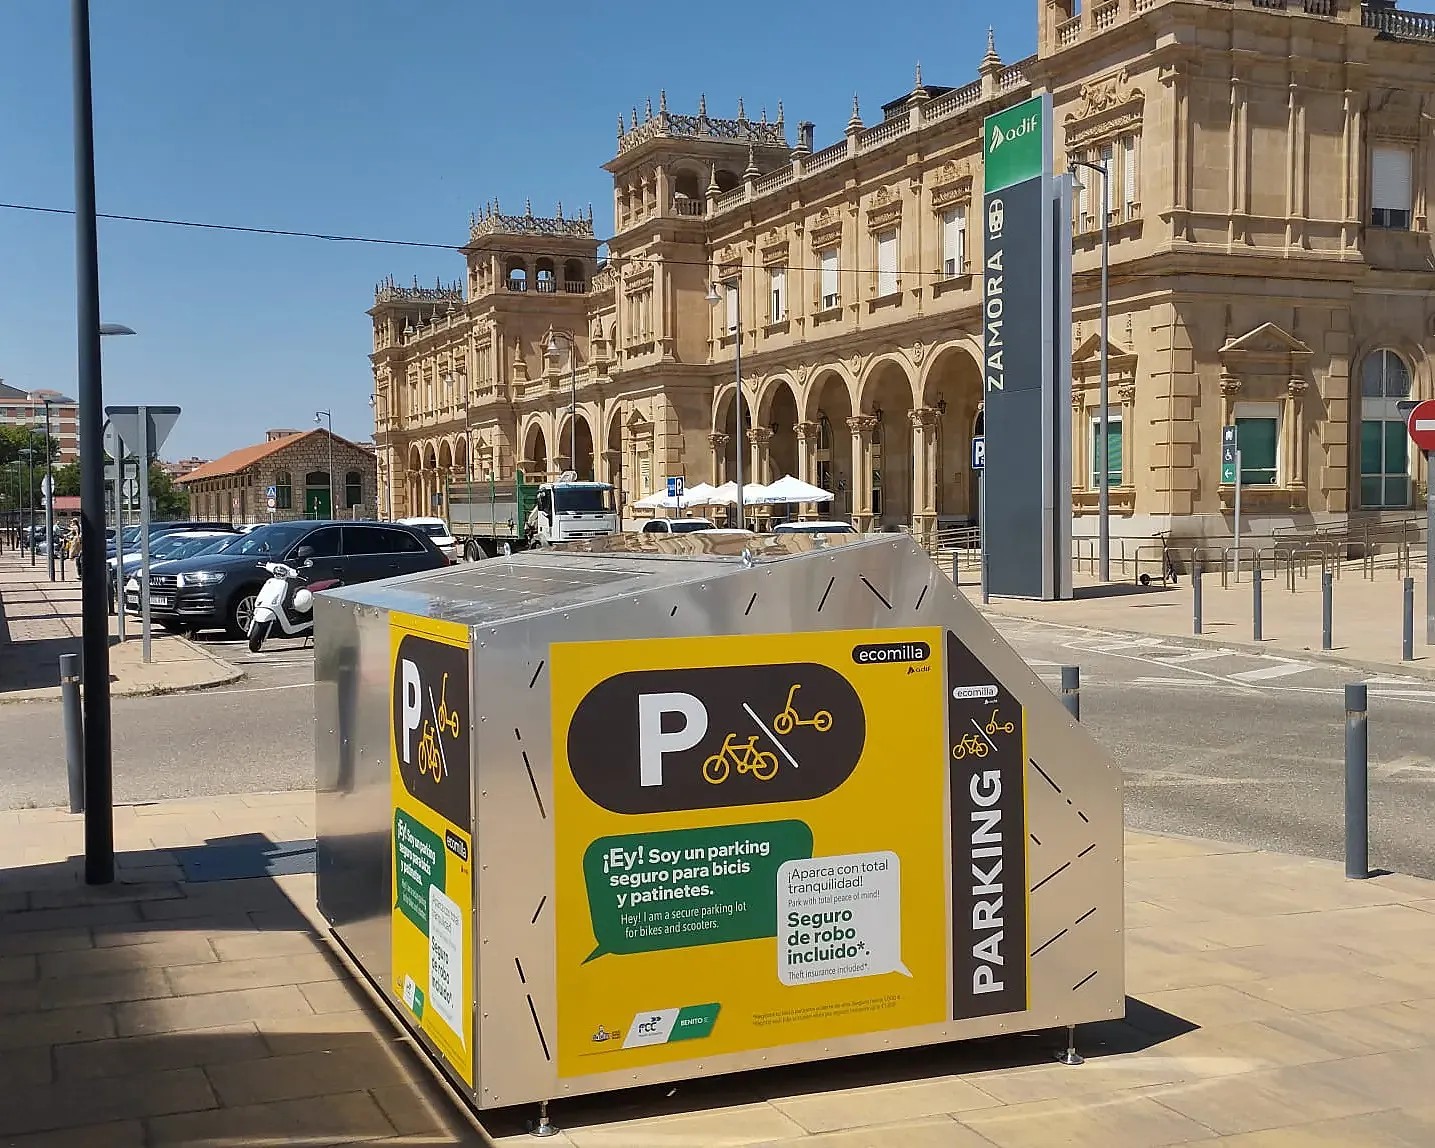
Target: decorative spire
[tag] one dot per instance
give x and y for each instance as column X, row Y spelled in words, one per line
column 917, row 85
column 713, row 188
column 763, row 118
column 741, row 115
column 559, row 213
column 528, row 208
column 991, row 61
column 779, row 113
column 495, row 206
column 663, row 101
column 751, row 172
column 855, row 123
column 648, row 110
column 620, row 125
column 635, row 116
column 702, row 105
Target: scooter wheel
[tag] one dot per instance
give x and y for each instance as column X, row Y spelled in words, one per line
column 258, row 633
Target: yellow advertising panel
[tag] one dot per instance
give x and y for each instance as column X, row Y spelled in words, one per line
column 752, row 849
column 432, row 850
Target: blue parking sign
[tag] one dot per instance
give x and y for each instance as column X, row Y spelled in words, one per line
column 979, row 452
column 675, row 487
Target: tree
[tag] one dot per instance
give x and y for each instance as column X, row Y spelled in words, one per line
column 67, row 480
column 170, row 501
column 14, row 439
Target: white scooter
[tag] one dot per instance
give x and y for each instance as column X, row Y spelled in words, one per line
column 284, row 605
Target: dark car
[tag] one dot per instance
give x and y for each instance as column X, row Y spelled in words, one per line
column 216, row 591
column 159, row 529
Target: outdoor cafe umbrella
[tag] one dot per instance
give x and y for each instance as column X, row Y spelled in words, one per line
column 789, row 489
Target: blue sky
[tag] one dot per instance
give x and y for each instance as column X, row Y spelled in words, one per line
column 376, row 119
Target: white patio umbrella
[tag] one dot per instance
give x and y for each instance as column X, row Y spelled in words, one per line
column 700, row 495
column 753, row 494
column 658, row 500
column 789, row 489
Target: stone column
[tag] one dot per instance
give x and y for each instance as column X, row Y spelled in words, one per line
column 760, row 439
column 806, row 451
column 1230, row 388
column 1081, row 448
column 1295, row 438
column 718, row 441
column 862, row 427
column 1126, row 393
column 924, row 494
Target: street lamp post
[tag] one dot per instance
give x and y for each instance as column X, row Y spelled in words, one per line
column 29, row 453
column 388, row 458
column 573, row 393
column 1103, row 504
column 714, row 296
column 319, row 417
column 49, row 488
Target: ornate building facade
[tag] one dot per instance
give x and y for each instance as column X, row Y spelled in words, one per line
column 1270, row 168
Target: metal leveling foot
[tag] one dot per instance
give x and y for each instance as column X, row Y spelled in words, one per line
column 1069, row 1055
column 543, row 1127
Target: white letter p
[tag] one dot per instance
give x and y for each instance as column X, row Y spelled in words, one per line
column 653, row 742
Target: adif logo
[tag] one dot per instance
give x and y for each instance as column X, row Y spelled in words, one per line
column 1025, row 126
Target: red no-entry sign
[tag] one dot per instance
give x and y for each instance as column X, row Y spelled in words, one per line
column 1422, row 425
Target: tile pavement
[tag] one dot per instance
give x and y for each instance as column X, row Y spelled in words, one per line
column 1366, row 615
column 40, row 620
column 1272, row 1004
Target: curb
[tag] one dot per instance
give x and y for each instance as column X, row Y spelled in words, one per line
column 1424, row 671
column 225, row 674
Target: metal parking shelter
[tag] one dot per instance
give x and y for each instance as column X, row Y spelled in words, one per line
column 651, row 808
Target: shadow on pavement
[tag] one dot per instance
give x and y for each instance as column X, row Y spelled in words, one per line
column 163, row 1012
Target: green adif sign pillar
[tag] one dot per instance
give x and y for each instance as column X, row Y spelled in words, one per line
column 1026, row 338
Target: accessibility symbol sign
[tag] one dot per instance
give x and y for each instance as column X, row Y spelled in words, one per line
column 1228, row 454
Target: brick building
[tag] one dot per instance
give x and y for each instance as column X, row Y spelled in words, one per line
column 27, row 409
column 297, row 465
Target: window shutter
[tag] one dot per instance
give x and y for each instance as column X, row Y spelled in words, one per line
column 1128, row 178
column 779, row 294
column 829, row 277
column 954, row 228
column 732, row 309
column 887, row 263
column 1390, row 178
column 1083, row 198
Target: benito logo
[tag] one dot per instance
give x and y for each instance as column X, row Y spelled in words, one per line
column 430, row 726
column 661, row 740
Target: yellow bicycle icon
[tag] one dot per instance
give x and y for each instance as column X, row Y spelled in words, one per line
column 430, row 757
column 970, row 744
column 747, row 758
column 447, row 718
column 788, row 719
column 995, row 727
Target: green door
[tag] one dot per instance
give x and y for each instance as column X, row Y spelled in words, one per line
column 316, row 503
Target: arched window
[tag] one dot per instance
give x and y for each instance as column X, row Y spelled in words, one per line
column 546, row 280
column 1384, row 441
column 517, row 275
column 353, row 489
column 575, row 282
column 283, row 491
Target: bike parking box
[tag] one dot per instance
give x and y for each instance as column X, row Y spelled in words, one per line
column 652, row 808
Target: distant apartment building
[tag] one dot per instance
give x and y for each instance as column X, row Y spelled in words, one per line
column 183, row 466
column 27, row 409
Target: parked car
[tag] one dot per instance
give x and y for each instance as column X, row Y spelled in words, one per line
column 159, row 529
column 438, row 532
column 167, row 547
column 216, row 591
column 814, row 528
column 678, row 525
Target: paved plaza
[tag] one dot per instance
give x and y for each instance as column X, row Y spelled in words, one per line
column 1270, row 1002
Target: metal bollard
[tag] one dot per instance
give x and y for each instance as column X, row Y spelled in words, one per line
column 1256, row 598
column 74, row 730
column 956, row 569
column 1071, row 690
column 1407, row 629
column 1357, row 785
column 1327, row 588
column 1196, row 589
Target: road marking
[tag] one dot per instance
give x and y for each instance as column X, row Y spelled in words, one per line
column 1108, row 647
column 1204, row 683
column 1269, row 673
column 1199, row 656
column 259, row 689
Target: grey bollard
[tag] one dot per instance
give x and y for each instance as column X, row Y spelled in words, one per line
column 74, row 730
column 1407, row 629
column 1327, row 589
column 956, row 569
column 1071, row 690
column 1196, row 590
column 1256, row 598
column 1357, row 785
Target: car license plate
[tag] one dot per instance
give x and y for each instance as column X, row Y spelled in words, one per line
column 161, row 601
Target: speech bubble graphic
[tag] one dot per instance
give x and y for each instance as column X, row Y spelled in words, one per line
column 839, row 918
column 684, row 887
column 420, row 865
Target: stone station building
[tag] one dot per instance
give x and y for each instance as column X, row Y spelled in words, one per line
column 1270, row 168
